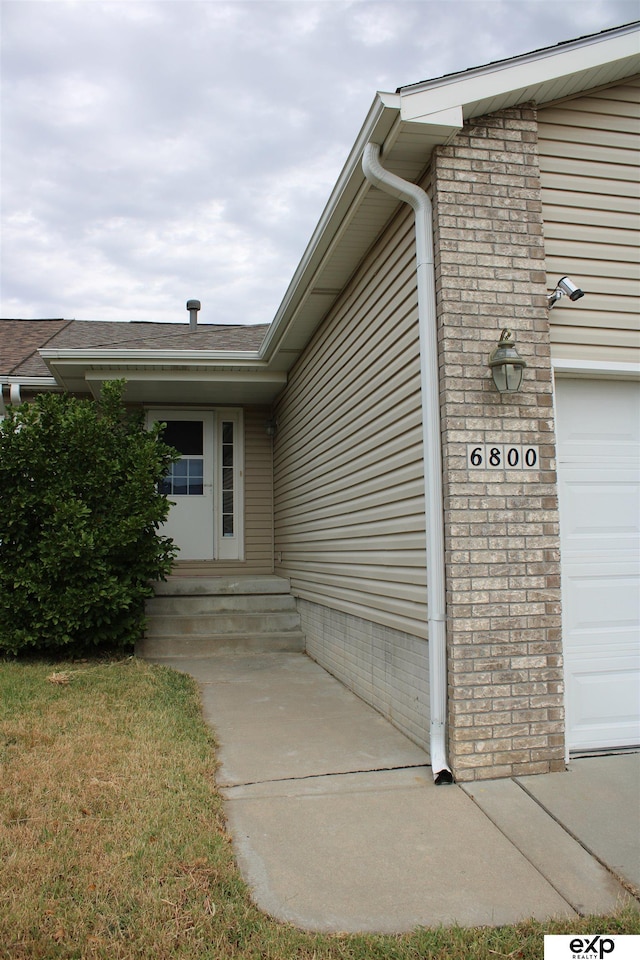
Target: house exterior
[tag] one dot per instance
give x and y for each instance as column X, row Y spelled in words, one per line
column 465, row 560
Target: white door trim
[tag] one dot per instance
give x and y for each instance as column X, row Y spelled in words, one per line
column 605, row 369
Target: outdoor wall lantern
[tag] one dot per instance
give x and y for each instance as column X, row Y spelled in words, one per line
column 506, row 364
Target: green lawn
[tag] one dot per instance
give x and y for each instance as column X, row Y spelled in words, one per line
column 113, row 841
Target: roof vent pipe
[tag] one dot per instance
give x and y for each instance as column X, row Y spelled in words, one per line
column 193, row 306
column 436, row 605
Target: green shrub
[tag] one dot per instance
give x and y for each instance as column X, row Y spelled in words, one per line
column 79, row 518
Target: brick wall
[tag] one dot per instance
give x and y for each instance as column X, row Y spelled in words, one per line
column 502, row 540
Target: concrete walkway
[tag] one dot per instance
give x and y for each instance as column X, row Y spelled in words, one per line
column 338, row 826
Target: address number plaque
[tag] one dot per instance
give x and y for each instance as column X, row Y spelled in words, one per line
column 502, row 456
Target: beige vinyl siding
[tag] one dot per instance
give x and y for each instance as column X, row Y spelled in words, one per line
column 258, row 504
column 590, row 169
column 349, row 495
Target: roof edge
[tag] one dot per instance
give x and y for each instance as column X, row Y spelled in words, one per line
column 97, row 354
column 526, row 71
column 383, row 114
column 530, row 56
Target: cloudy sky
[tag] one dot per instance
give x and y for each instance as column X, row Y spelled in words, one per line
column 162, row 150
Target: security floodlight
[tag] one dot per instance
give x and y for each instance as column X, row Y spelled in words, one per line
column 566, row 287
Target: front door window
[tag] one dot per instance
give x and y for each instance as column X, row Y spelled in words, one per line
column 228, row 478
column 186, row 477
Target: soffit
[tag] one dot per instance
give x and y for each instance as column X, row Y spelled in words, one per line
column 195, row 378
column 356, row 222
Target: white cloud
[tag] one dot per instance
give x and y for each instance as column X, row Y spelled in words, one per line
column 376, row 24
column 156, row 151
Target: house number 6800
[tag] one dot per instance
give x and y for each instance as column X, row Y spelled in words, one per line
column 502, row 456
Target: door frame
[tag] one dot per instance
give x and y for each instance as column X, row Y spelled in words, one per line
column 224, row 546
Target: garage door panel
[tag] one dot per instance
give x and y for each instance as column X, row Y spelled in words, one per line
column 605, row 599
column 597, row 692
column 598, row 426
column 602, row 414
column 601, row 513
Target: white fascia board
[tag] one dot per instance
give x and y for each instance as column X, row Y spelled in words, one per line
column 72, row 368
column 178, row 357
column 521, row 73
column 41, row 383
column 220, row 376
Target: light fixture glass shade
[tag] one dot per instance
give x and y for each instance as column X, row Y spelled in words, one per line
column 506, row 364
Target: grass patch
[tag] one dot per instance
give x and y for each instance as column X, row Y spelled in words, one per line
column 113, row 841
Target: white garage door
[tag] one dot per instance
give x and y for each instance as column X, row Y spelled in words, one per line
column 598, row 423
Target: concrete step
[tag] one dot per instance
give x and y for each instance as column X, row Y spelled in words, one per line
column 217, row 625
column 172, row 606
column 196, row 647
column 212, row 586
column 208, row 616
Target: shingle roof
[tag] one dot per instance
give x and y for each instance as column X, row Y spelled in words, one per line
column 20, row 340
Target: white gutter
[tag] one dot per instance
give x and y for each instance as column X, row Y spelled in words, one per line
column 436, row 614
column 16, row 384
column 170, row 355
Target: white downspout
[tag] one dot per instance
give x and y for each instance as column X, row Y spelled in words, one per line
column 436, row 615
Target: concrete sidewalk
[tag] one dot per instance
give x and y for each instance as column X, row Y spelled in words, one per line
column 338, row 826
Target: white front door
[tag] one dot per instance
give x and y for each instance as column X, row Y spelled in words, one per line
column 598, row 425
column 205, row 486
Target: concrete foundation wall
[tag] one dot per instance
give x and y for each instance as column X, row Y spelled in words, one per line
column 387, row 668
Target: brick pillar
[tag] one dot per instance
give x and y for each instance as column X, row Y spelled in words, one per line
column 506, row 712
